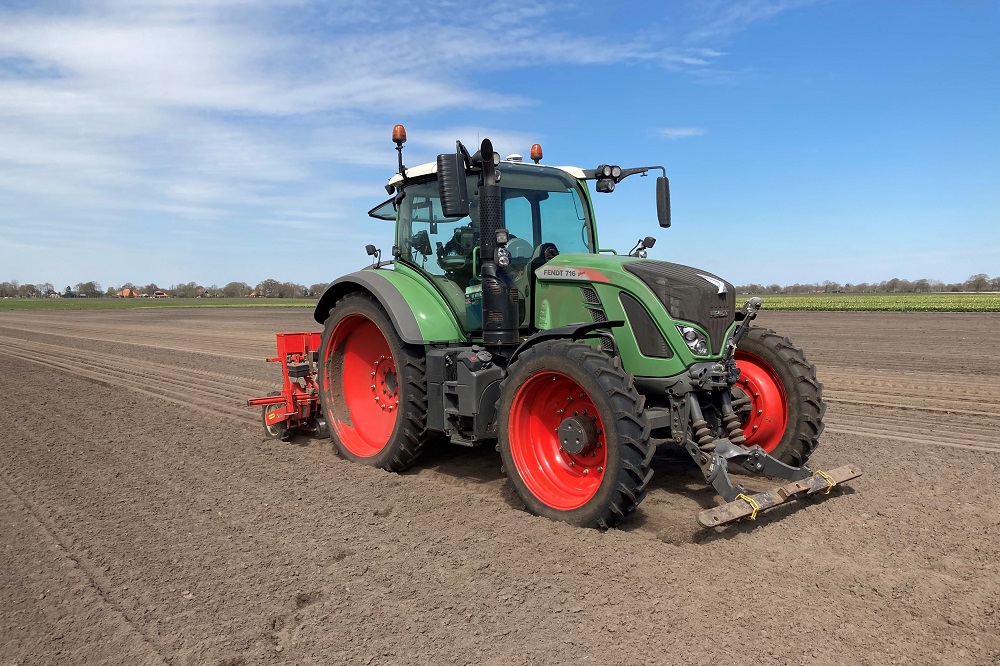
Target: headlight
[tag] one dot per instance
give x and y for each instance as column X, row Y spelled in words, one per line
column 694, row 339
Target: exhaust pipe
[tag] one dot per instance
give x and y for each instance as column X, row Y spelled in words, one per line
column 500, row 299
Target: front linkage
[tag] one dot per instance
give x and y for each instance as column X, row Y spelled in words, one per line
column 713, row 454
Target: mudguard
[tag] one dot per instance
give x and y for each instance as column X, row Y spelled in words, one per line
column 418, row 313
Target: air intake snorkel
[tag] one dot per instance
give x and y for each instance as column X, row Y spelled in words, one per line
column 500, row 298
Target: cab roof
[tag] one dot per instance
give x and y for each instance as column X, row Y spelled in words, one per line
column 430, row 168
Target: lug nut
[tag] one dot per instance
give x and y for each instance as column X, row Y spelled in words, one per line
column 600, row 469
column 586, row 471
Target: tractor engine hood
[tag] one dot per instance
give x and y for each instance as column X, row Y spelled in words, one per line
column 690, row 294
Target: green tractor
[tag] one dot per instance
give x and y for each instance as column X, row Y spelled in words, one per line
column 499, row 320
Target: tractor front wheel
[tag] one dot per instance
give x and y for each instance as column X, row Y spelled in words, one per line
column 573, row 436
column 778, row 398
column 372, row 386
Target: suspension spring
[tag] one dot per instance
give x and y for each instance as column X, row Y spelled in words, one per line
column 702, row 433
column 731, row 421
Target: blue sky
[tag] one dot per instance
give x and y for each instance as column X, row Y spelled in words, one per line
column 221, row 140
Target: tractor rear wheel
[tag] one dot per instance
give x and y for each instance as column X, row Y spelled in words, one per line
column 783, row 407
column 574, row 439
column 372, row 386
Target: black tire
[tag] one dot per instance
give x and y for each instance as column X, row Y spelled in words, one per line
column 538, row 382
column 273, row 430
column 802, row 393
column 392, row 434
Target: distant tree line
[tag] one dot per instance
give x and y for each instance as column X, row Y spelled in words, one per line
column 976, row 283
column 269, row 288
column 272, row 288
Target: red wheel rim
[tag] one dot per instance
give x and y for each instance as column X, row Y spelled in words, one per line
column 559, row 479
column 359, row 360
column 768, row 418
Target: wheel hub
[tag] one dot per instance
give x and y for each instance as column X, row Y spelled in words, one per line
column 577, row 434
column 385, row 388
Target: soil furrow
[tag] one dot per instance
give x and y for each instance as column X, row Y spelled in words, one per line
column 180, row 399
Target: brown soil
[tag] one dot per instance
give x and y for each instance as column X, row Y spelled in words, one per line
column 146, row 520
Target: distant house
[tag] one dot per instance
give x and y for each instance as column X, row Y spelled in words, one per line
column 128, row 293
column 159, row 294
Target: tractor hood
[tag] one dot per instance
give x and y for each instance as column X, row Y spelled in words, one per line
column 690, row 294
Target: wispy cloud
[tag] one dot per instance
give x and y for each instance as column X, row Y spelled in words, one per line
column 673, row 133
column 718, row 19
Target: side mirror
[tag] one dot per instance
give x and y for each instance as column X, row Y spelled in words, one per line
column 452, row 186
column 663, row 201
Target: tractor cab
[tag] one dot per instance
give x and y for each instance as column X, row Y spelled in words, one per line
column 546, row 210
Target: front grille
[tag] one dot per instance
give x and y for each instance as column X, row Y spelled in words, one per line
column 607, row 342
column 689, row 297
column 647, row 334
column 598, row 315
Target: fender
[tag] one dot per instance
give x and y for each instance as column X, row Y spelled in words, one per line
column 419, row 317
column 572, row 331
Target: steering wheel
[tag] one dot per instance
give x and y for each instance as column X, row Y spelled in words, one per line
column 548, row 251
column 520, row 248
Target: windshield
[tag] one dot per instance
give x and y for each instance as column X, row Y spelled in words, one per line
column 539, row 206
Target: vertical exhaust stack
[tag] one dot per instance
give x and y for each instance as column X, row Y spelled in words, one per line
column 499, row 292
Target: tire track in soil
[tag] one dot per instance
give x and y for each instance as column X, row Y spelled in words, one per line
column 81, row 565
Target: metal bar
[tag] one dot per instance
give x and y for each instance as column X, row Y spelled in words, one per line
column 270, row 400
column 741, row 508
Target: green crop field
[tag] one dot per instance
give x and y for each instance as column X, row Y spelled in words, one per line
column 936, row 302
column 8, row 304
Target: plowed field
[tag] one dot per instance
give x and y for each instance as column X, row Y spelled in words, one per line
column 145, row 519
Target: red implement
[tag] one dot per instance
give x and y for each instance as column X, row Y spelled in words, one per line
column 296, row 406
